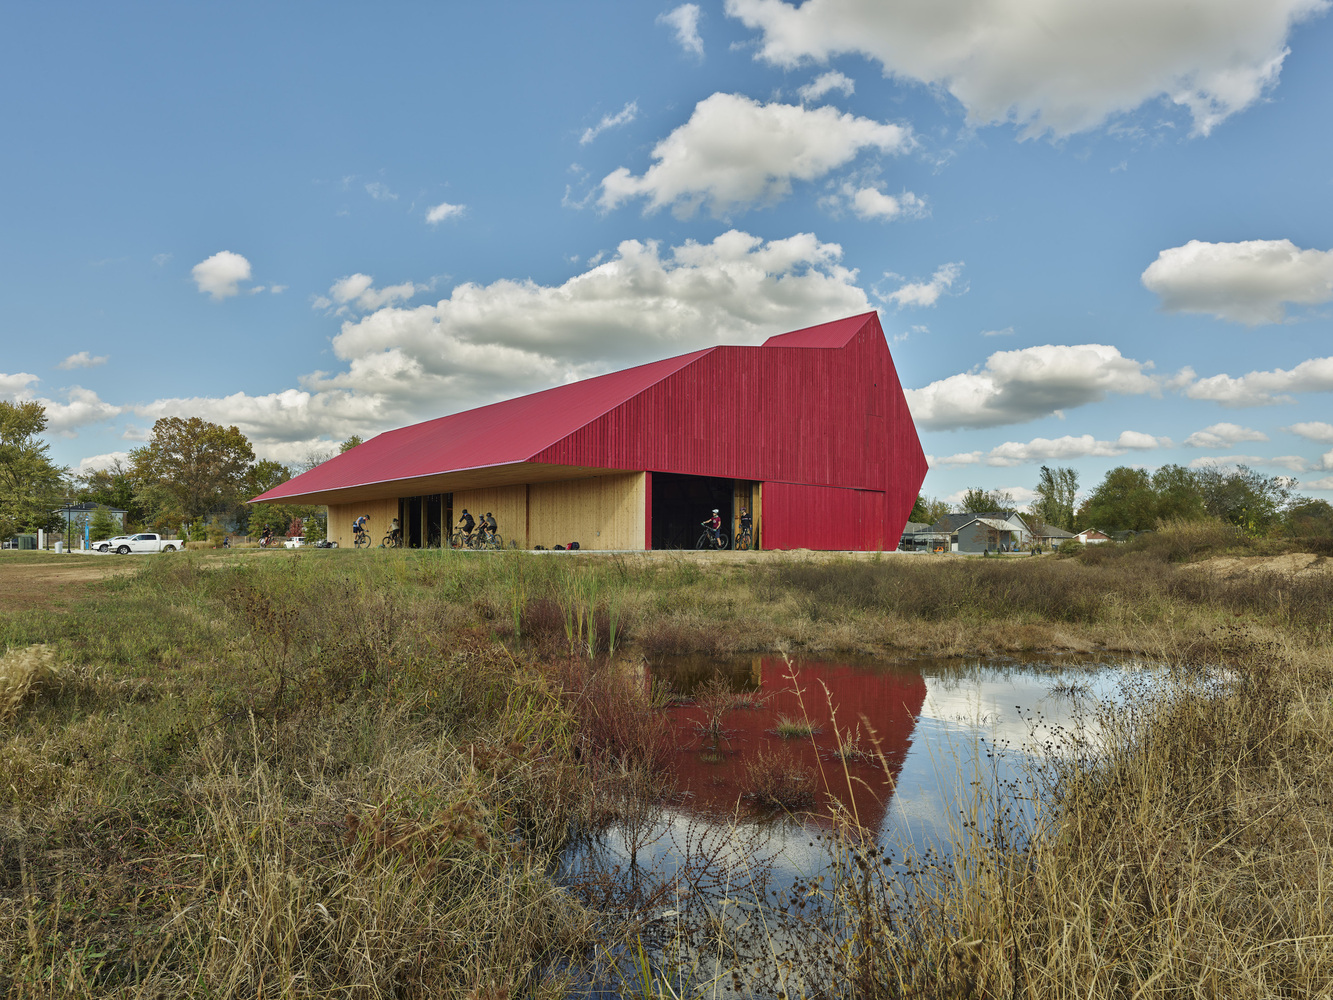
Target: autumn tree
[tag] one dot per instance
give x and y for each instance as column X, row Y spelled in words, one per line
column 31, row 485
column 191, row 468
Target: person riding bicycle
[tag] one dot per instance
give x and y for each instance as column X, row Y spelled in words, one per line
column 747, row 522
column 714, row 526
column 466, row 524
column 266, row 537
column 488, row 525
column 395, row 532
column 359, row 525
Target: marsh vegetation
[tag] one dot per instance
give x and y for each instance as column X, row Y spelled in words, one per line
column 348, row 774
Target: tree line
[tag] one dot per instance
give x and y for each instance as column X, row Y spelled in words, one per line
column 1132, row 499
column 191, row 477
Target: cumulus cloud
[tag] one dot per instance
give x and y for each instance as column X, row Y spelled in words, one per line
column 220, row 275
column 735, row 152
column 825, row 83
column 99, row 462
column 358, row 291
column 624, row 116
column 1223, row 435
column 1061, row 449
column 442, row 211
column 83, row 360
column 684, row 20
column 872, row 203
column 17, row 384
column 489, row 342
column 925, row 293
column 1319, row 484
column 1260, row 388
column 1014, row 387
column 1008, row 331
column 1293, row 462
column 1049, row 65
column 1314, row 430
column 1249, row 282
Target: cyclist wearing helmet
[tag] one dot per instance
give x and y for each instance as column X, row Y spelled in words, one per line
column 466, row 523
column 489, row 524
column 714, row 526
column 359, row 525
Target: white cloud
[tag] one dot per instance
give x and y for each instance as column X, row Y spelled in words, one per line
column 81, row 408
column 925, row 293
column 82, row 360
column 1314, row 430
column 1014, row 387
column 277, row 289
column 1061, row 449
column 684, row 20
column 221, row 274
column 489, row 342
column 1260, row 388
column 871, row 203
column 624, row 116
column 826, row 82
column 92, row 462
column 1319, row 484
column 1222, row 435
column 442, row 211
column 380, row 192
column 1293, row 462
column 17, row 384
column 1049, row 64
column 1248, row 282
column 1008, row 331
column 735, row 152
column 358, row 291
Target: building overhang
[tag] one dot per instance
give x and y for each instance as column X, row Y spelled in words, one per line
column 484, row 477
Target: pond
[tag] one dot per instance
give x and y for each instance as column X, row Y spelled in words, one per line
column 783, row 765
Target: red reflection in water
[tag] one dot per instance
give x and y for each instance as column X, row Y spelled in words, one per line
column 880, row 706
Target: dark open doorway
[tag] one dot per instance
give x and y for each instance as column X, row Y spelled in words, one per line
column 680, row 503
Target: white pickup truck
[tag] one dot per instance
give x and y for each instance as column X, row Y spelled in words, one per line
column 147, row 542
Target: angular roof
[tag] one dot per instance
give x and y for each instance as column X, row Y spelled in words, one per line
column 756, row 413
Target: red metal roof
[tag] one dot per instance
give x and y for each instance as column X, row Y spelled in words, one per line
column 835, row 417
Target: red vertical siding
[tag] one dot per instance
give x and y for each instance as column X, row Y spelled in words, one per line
column 822, row 416
column 798, row 516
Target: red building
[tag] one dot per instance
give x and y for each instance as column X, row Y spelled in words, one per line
column 810, row 431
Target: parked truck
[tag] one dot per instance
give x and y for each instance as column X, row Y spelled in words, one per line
column 148, row 542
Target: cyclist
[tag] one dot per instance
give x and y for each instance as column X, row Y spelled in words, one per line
column 714, row 525
column 491, row 526
column 359, row 526
column 395, row 532
column 266, row 538
column 747, row 523
column 466, row 524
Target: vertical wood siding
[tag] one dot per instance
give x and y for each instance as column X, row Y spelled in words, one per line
column 509, row 504
column 605, row 512
column 379, row 512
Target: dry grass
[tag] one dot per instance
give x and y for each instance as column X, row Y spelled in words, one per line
column 328, row 773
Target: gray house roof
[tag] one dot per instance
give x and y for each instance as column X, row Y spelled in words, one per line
column 952, row 522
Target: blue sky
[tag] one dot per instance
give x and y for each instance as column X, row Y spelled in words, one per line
column 1095, row 234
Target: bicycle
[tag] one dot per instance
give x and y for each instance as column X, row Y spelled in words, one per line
column 360, row 539
column 713, row 541
column 461, row 539
column 391, row 541
column 743, row 540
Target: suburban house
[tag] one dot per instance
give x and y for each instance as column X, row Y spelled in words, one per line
column 74, row 517
column 1091, row 536
column 1049, row 536
column 994, row 531
column 810, row 432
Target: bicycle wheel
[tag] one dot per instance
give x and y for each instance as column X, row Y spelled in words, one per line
column 390, row 542
column 742, row 541
column 456, row 540
column 361, row 541
column 497, row 542
column 704, row 542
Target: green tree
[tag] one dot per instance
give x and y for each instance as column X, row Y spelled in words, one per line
column 927, row 510
column 1178, row 494
column 1308, row 517
column 1248, row 499
column 114, row 486
column 1057, row 489
column 1123, row 501
column 979, row 501
column 191, row 468
column 102, row 525
column 350, row 443
column 31, row 485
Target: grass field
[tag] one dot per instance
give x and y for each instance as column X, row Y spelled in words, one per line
column 328, row 773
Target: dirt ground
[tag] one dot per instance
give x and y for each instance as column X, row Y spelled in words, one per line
column 49, row 581
column 1296, row 564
